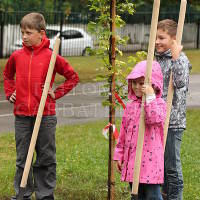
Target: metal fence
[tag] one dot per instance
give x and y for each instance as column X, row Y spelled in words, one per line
column 75, row 39
column 72, row 28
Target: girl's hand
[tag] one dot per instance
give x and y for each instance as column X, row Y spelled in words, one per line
column 12, row 98
column 176, row 49
column 119, row 166
column 147, row 90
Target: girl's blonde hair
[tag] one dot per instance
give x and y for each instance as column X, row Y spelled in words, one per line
column 168, row 25
column 33, row 21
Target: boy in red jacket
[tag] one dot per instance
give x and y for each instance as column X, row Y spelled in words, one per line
column 24, row 77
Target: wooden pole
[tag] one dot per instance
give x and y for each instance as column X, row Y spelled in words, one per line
column 150, row 56
column 38, row 121
column 170, row 93
column 111, row 178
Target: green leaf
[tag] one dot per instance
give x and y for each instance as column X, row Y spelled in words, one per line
column 101, row 29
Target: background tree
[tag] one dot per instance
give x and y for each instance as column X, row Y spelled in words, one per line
column 43, row 5
column 77, row 5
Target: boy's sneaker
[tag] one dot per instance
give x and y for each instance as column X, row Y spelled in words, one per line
column 25, row 198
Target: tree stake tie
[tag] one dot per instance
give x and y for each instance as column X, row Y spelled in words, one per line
column 120, row 100
column 106, row 129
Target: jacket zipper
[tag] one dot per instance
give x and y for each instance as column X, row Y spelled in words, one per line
column 29, row 83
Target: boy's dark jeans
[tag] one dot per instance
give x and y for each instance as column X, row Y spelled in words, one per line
column 173, row 184
column 42, row 176
column 148, row 192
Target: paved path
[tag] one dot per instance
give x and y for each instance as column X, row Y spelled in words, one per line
column 193, row 96
column 83, row 104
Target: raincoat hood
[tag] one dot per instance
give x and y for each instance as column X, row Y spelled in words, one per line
column 139, row 71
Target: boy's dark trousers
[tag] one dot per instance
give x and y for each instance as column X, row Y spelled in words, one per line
column 42, row 176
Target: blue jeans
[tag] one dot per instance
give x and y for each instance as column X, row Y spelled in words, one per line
column 173, row 181
column 149, row 192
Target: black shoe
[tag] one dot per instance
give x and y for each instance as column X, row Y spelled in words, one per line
column 134, row 197
column 164, row 196
column 25, row 198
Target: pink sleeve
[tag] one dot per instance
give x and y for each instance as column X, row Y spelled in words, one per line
column 119, row 149
column 155, row 111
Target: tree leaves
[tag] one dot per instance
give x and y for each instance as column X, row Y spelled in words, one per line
column 101, row 29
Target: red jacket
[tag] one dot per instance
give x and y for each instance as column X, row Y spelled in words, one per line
column 26, row 72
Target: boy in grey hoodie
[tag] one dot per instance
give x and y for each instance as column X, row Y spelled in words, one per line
column 171, row 58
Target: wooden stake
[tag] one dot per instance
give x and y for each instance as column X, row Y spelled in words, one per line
column 150, row 56
column 38, row 120
column 170, row 93
column 111, row 178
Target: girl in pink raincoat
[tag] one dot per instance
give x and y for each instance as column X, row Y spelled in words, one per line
column 152, row 163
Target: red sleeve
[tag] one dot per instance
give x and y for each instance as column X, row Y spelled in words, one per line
column 9, row 77
column 63, row 68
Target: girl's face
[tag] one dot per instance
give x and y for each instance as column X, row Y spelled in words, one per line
column 31, row 37
column 137, row 86
column 163, row 41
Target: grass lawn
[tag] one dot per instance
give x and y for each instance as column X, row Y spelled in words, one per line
column 82, row 154
column 193, row 56
column 87, row 66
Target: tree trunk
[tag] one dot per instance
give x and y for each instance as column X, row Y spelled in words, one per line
column 111, row 179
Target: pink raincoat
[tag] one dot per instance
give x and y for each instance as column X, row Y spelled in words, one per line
column 152, row 163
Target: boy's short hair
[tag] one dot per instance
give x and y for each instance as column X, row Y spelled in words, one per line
column 33, row 21
column 168, row 25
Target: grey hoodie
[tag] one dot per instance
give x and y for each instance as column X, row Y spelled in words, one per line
column 180, row 72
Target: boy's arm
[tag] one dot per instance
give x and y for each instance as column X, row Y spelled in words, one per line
column 180, row 71
column 63, row 68
column 180, row 66
column 8, row 76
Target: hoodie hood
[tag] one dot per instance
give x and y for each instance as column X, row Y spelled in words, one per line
column 139, row 71
column 44, row 44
